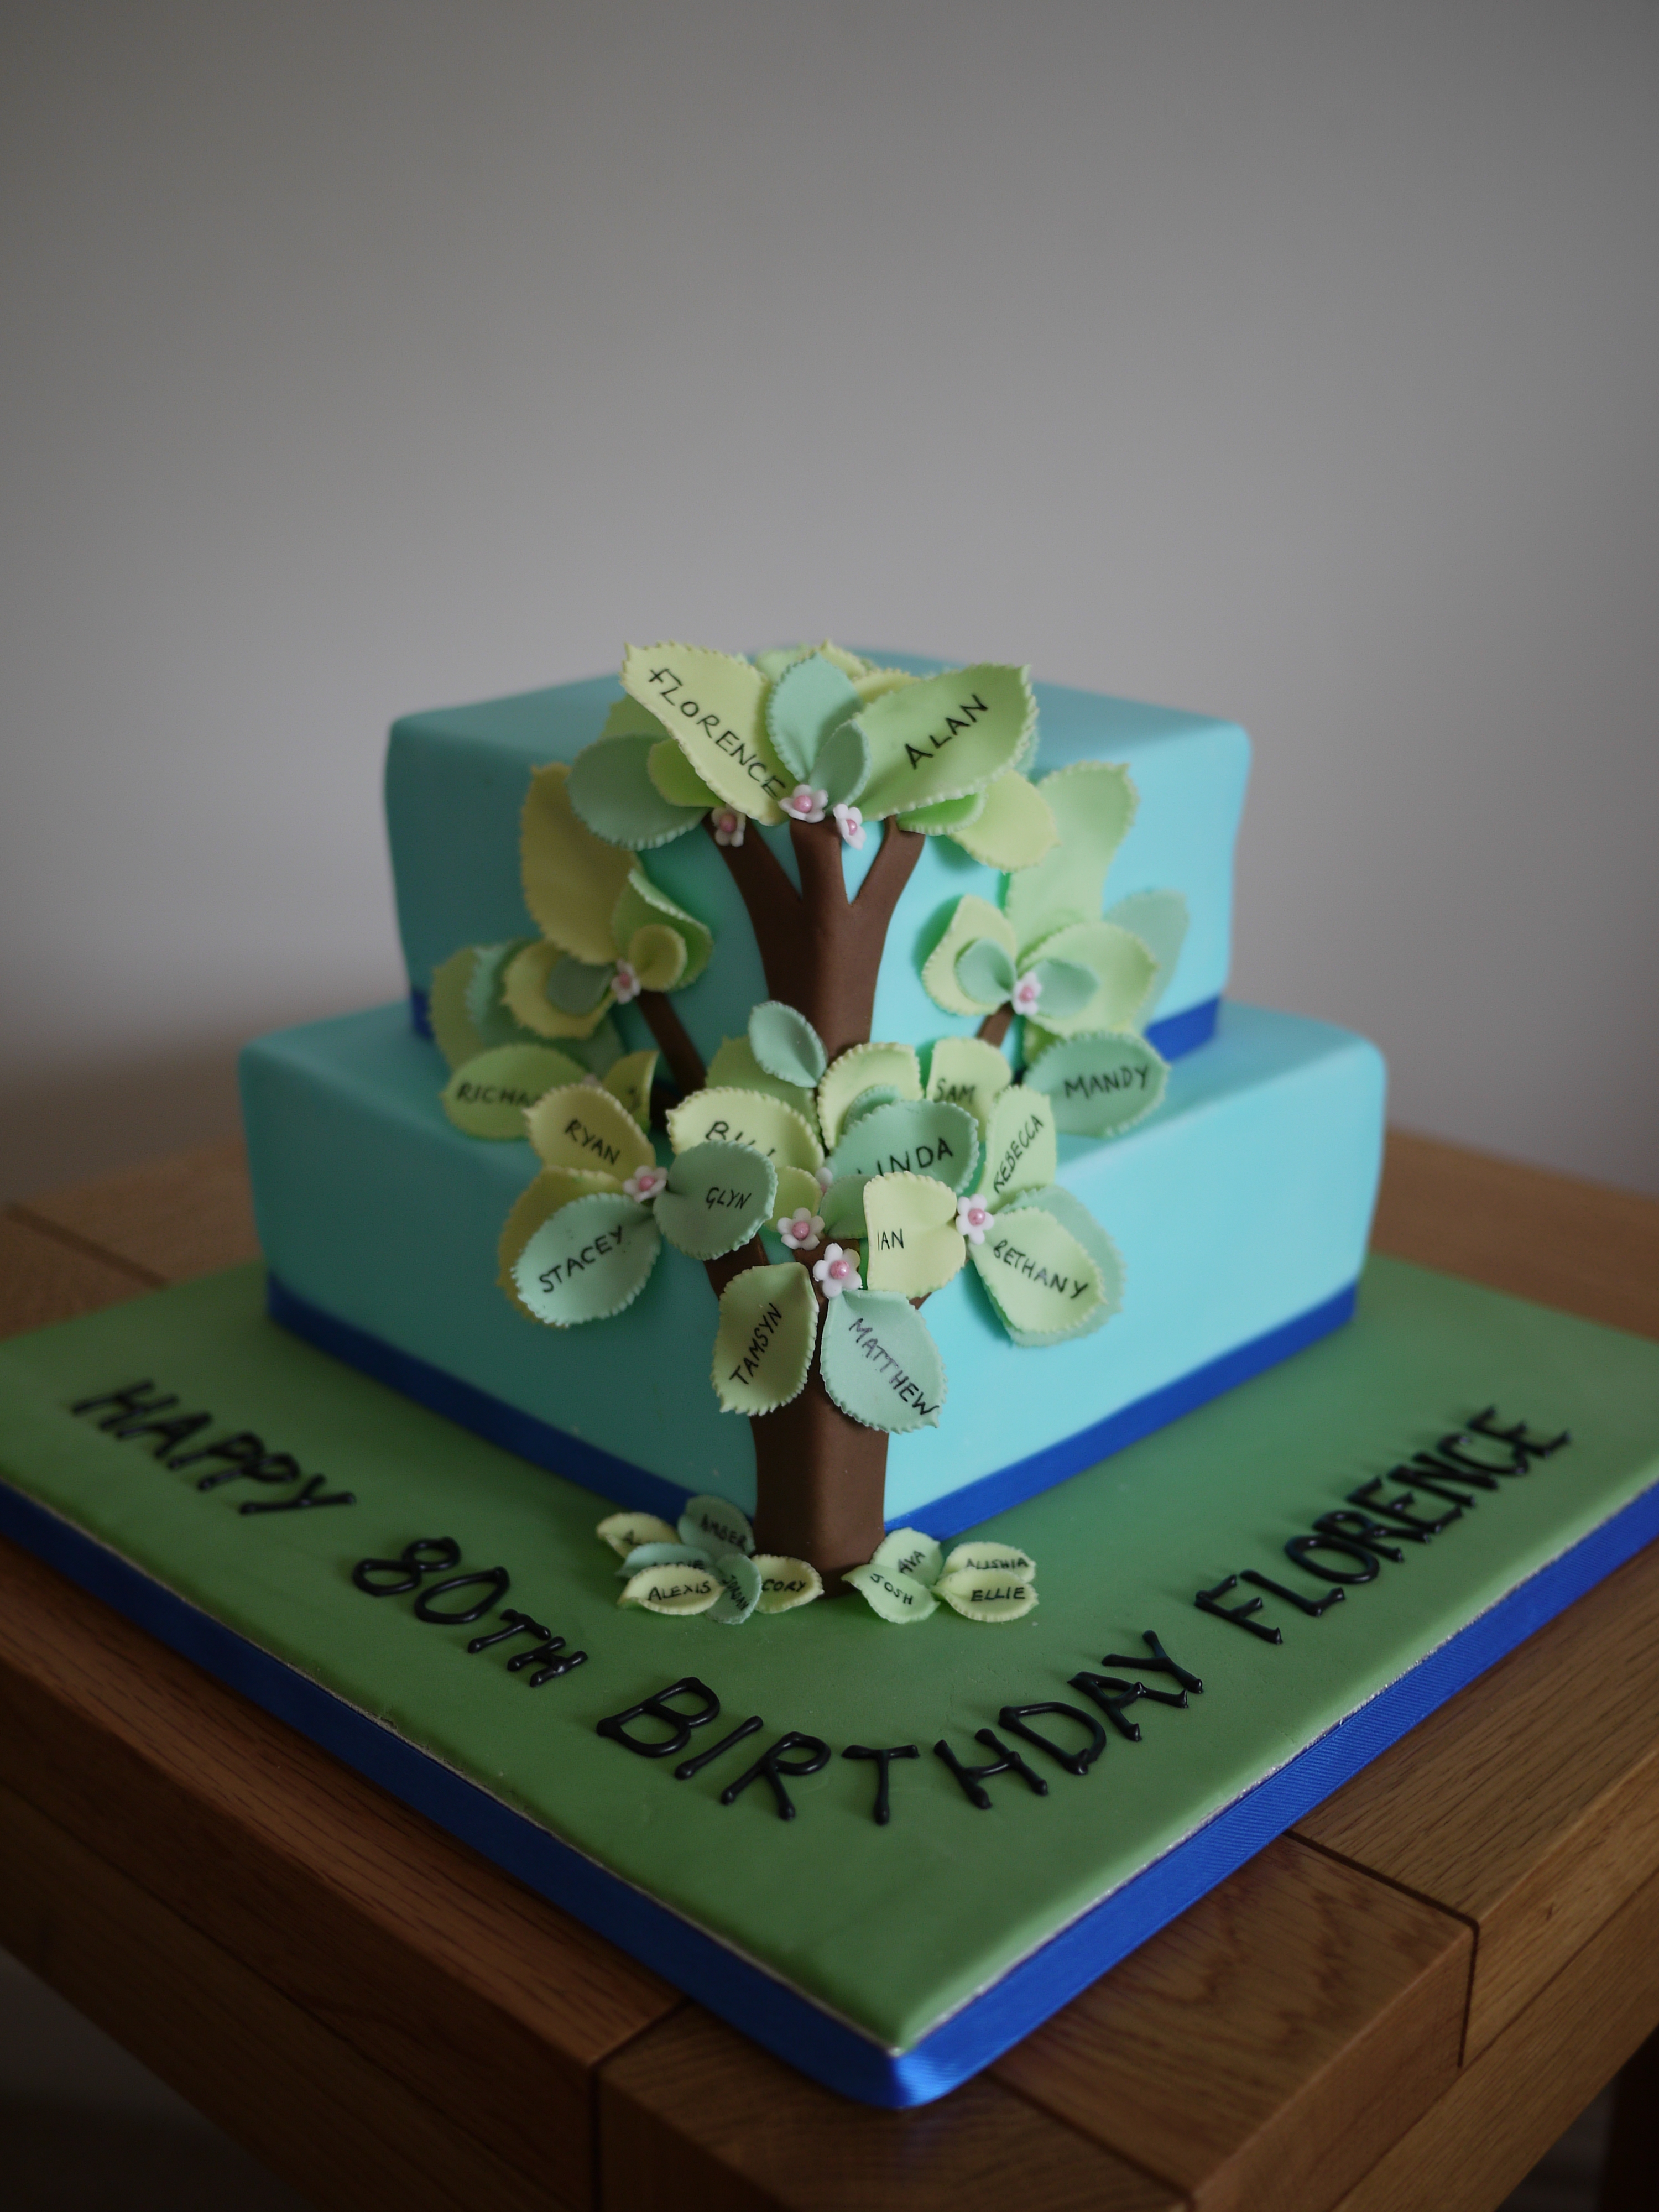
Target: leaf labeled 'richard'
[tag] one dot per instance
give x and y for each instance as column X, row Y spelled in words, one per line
column 489, row 1095
column 718, row 1196
column 879, row 1362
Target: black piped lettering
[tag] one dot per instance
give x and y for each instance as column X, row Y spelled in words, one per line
column 1397, row 1511
column 688, row 1767
column 497, row 1581
column 1159, row 1663
column 884, row 1810
column 774, row 1765
column 1360, row 1528
column 973, row 1779
column 1209, row 1601
column 1313, row 1607
column 302, row 1500
column 1486, row 1423
column 408, row 1567
column 1300, row 1550
column 167, row 1434
column 129, row 1400
column 657, row 1708
column 1017, row 1720
column 1113, row 1695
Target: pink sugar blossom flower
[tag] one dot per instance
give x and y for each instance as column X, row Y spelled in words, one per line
column 826, row 1175
column 973, row 1218
column 625, row 983
column 801, row 1229
column 850, row 823
column 1027, row 992
column 645, row 1184
column 805, row 804
column 836, row 1272
column 729, row 825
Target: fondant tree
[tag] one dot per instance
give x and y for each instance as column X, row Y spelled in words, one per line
column 875, row 1178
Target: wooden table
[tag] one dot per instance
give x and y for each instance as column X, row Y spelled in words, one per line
column 1396, row 2007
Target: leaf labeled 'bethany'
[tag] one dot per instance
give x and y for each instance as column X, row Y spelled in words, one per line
column 1100, row 1086
column 861, row 1068
column 763, row 1347
column 974, row 919
column 612, row 789
column 812, row 698
column 786, row 1044
column 894, row 1595
column 718, row 1196
column 1040, row 1278
column 722, row 1114
column 878, row 1362
column 581, row 1125
column 1093, row 804
column 914, row 1136
column 944, row 736
column 914, row 1244
column 1068, row 1209
column 713, row 705
column 1020, row 1151
column 571, row 878
column 967, row 1072
column 589, row 1262
column 489, row 1095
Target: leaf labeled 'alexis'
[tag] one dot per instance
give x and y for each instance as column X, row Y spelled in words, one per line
column 944, row 736
column 763, row 1347
column 719, row 1195
column 913, row 1136
column 1020, row 1151
column 723, row 1115
column 1100, row 1084
column 973, row 921
column 1041, row 1278
column 673, row 1589
column 489, row 1095
column 588, row 1262
column 861, row 1068
column 1093, row 803
column 809, row 699
column 581, row 1125
column 713, row 705
column 571, row 878
column 611, row 788
column 878, row 1362
column 786, row 1044
column 967, row 1072
column 914, row 1244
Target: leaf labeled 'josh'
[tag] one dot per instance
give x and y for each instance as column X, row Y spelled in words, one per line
column 1020, row 1151
column 944, row 736
column 489, row 1094
column 581, row 1125
column 1040, row 1278
column 718, row 1196
column 914, row 1244
column 913, row 1136
column 713, row 705
column 1100, row 1084
column 894, row 1595
column 588, row 1262
column 878, row 1362
column 723, row 1115
column 764, row 1346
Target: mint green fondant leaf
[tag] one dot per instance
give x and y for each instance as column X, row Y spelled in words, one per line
column 878, row 1362
column 1066, row 987
column 858, row 1069
column 807, row 701
column 786, row 1045
column 1073, row 1214
column 489, row 1095
column 878, row 1094
column 894, row 1595
column 841, row 1207
column 465, row 1007
column 974, row 920
column 536, row 1204
column 843, row 764
column 968, row 1072
column 985, row 1557
column 575, row 986
column 1158, row 919
column 626, row 1532
column 717, row 1524
column 735, row 1067
column 1020, row 1153
column 768, row 1329
column 944, row 736
column 641, row 905
column 946, row 817
column 612, row 789
column 1093, row 803
column 598, row 1051
column 1123, row 969
column 676, row 778
column 588, row 1262
column 718, row 1196
column 916, row 1136
column 989, row 1598
column 907, row 1552
column 740, row 1588
column 786, row 1583
column 571, row 878
column 628, row 1080
column 1100, row 1083
column 1042, row 1280
column 985, row 974
column 663, row 1555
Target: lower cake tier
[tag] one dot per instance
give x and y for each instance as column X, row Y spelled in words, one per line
column 1240, row 1209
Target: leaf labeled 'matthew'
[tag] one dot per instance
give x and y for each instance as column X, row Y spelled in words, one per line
column 718, row 1196
column 588, row 1262
column 878, row 1362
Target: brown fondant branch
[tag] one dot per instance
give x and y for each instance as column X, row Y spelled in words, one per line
column 684, row 1060
column 994, row 1027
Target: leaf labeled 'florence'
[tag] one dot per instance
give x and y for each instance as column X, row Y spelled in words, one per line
column 713, row 705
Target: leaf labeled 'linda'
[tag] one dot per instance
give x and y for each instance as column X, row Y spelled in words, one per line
column 581, row 1125
column 1040, row 1279
column 489, row 1095
column 763, row 1347
column 913, row 1136
column 915, row 1245
column 863, row 1068
column 612, row 789
column 973, row 921
column 589, row 1262
column 879, row 1362
column 786, row 1044
column 1093, row 804
column 892, row 1593
column 718, row 1196
column 571, row 878
column 725, row 1115
column 713, row 705
column 968, row 1072
column 945, row 735
column 809, row 699
column 1020, row 1151
column 1100, row 1084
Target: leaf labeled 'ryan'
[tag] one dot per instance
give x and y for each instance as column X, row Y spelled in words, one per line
column 581, row 1125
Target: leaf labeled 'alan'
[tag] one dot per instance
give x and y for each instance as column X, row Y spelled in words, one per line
column 878, row 1362
column 944, row 736
column 786, row 1044
column 914, row 1244
column 1100, row 1086
column 913, row 1136
column 1020, row 1151
column 718, row 1196
column 768, row 1327
column 1073, row 1215
column 589, row 1262
column 489, row 1095
column 612, row 787
column 1040, row 1279
column 581, row 1125
column 894, row 1595
column 723, row 1115
column 713, row 705
column 1093, row 804
column 968, row 1072
column 862, row 1068
column 973, row 921
column 571, row 878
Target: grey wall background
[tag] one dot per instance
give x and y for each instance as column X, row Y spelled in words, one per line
column 1294, row 362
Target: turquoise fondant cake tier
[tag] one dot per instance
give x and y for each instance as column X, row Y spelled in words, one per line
column 1240, row 1207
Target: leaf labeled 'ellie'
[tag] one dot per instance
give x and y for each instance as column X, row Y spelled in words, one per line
column 589, row 1262
column 1100, row 1084
column 944, row 736
column 912, row 1136
column 713, row 705
column 879, row 1362
column 988, row 1597
column 914, row 1244
column 487, row 1095
column 718, row 1196
column 763, row 1347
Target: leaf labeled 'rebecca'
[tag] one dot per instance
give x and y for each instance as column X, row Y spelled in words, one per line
column 487, row 1095
column 734, row 1068
column 944, row 736
column 1020, row 1151
column 626, row 1532
column 611, row 788
column 582, row 1126
column 1040, row 1279
column 1014, row 828
column 786, row 1044
column 740, row 1588
column 1074, row 1215
column 717, row 1524
column 728, row 1116
column 641, row 905
column 663, row 1555
column 675, row 777
column 878, row 1362
column 524, row 987
column 1158, row 919
column 673, row 1589
column 809, row 699
column 985, row 973
column 907, row 1552
column 984, row 1557
column 915, row 1136
column 628, row 1080
column 1093, row 804
column 786, row 1583
column 571, row 878
column 713, row 705
column 894, row 1595
column 914, row 1244
column 588, row 1262
column 974, row 919
column 768, row 1327
column 1100, row 1086
column 1123, row 970
column 989, row 1598
column 861, row 1068
column 718, row 1196
column 968, row 1072
column 553, row 1188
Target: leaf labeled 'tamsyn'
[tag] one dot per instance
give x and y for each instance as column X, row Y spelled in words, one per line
column 764, row 1346
column 588, row 1262
column 489, row 1095
column 1102, row 1084
column 719, row 1195
column 878, row 1362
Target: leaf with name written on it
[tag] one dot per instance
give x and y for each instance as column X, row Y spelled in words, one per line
column 712, row 704
column 763, row 1347
column 989, row 1598
column 553, row 1188
column 523, row 987
column 1020, row 1151
column 1093, row 804
column 734, row 1068
column 581, row 1125
column 878, row 1362
column 1074, row 1215
column 718, row 1197
column 1158, row 919
column 717, row 1524
column 786, row 1044
column 907, row 1552
column 1100, row 1084
column 486, row 1096
column 626, row 1532
column 571, row 878
column 915, row 1136
column 1042, row 1280
column 915, row 1245
column 663, row 1555
column 966, row 1071
column 985, row 1557
column 1015, row 827
column 944, row 736
column 723, row 1115
column 1123, row 970
column 673, row 1589
column 589, row 1262
column 893, row 1595
column 675, row 777
column 809, row 699
column 985, row 973
column 858, row 1069
column 974, row 919
column 786, row 1583
column 629, row 1081
column 612, row 787
column 740, row 1588
column 640, row 905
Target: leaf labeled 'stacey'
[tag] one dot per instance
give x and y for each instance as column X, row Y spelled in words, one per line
column 914, row 1244
column 1020, row 1151
column 786, row 1044
column 968, row 1072
column 988, row 1598
column 588, row 1262
column 893, row 1595
column 673, row 1589
column 581, row 1125
column 861, row 1068
column 768, row 1327
column 723, row 1115
column 571, row 878
column 907, row 1552
column 713, row 705
column 878, row 1362
column 944, row 736
column 1014, row 828
column 718, row 1196
column 1093, row 804
column 626, row 1532
column 786, row 1583
column 810, row 698
column 1100, row 1084
column 717, row 1524
column 489, row 1095
column 612, row 789
column 552, row 1189
column 1041, row 1278
column 974, row 919
column 913, row 1136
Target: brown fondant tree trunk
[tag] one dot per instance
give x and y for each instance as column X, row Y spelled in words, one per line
column 821, row 1478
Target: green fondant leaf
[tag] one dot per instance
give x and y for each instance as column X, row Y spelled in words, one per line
column 916, row 1136
column 858, row 1069
column 1101, row 1083
column 894, row 1595
column 718, row 1197
column 676, row 778
column 641, row 905
column 786, row 1044
column 989, row 1598
column 575, row 986
column 1158, row 919
column 841, row 1207
column 907, row 1552
column 588, row 1262
column 553, row 1188
column 581, row 1125
column 663, row 1555
column 489, row 1095
column 599, row 1050
column 974, row 920
column 1041, row 1280
column 967, row 1072
column 1065, row 986
column 768, row 1326
column 946, row 817
column 717, row 1524
column 1123, row 970
column 985, row 974
column 944, row 736
column 455, row 1030
column 723, row 1114
column 915, row 1245
column 734, row 1068
column 1093, row 803
column 740, row 1588
column 1074, row 1215
column 673, row 1589
column 571, row 878
column 629, row 1081
column 843, row 764
column 712, row 705
column 786, row 1583
column 626, row 1532
column 1020, row 1153
column 808, row 700
column 878, row 1094
column 656, row 954
column 796, row 1190
column 523, row 987
column 878, row 1362
column 611, row 788
column 1015, row 827
column 985, row 1557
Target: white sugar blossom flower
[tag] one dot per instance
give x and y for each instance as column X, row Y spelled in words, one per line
column 645, row 1184
column 973, row 1218
column 729, row 825
column 805, row 804
column 836, row 1272
column 1027, row 992
column 850, row 823
column 625, row 983
column 826, row 1175
column 801, row 1229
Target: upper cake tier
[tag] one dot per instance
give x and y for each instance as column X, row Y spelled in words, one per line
column 457, row 777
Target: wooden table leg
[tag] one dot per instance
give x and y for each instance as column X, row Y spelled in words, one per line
column 1628, row 2177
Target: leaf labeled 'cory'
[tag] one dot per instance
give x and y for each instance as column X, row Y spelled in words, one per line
column 786, row 1583
column 713, row 705
column 1100, row 1084
column 718, row 1196
column 878, row 1362
column 589, row 1262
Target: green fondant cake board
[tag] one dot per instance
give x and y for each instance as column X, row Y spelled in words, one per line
column 888, row 1928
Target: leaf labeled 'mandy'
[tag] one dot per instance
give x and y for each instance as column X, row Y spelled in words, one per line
column 1100, row 1084
column 713, row 705
column 764, row 1346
